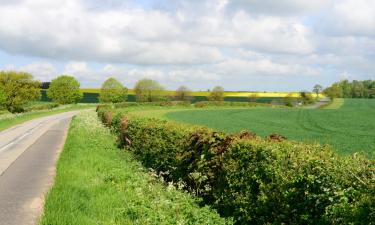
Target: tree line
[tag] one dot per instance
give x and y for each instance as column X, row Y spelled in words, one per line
column 19, row 88
column 353, row 89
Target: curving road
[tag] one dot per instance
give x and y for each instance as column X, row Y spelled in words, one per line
column 28, row 153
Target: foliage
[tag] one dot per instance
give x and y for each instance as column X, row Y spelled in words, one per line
column 18, row 88
column 348, row 128
column 100, row 185
column 306, row 98
column 112, row 91
column 217, row 94
column 147, row 90
column 354, row 89
column 64, row 90
column 317, row 89
column 37, row 106
column 2, row 99
column 253, row 180
column 204, row 104
column 183, row 94
column 253, row 97
column 289, row 100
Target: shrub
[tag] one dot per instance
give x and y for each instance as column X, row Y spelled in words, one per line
column 41, row 106
column 253, row 180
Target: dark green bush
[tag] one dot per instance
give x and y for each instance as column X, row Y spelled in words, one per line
column 253, row 180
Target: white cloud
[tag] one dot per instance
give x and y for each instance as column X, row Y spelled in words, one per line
column 177, row 41
column 281, row 7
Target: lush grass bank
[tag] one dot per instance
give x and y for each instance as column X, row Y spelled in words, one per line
column 348, row 127
column 97, row 183
column 8, row 120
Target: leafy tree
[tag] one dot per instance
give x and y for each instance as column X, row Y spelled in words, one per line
column 335, row 91
column 217, row 94
column 253, row 97
column 289, row 100
column 183, row 93
column 306, row 97
column 18, row 88
column 358, row 89
column 317, row 89
column 64, row 90
column 2, row 99
column 112, row 91
column 147, row 90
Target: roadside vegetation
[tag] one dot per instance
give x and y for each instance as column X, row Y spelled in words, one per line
column 252, row 179
column 98, row 184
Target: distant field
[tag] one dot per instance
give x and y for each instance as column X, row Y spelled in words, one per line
column 349, row 128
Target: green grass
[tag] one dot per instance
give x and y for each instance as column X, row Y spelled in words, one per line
column 335, row 104
column 97, row 183
column 8, row 120
column 349, row 128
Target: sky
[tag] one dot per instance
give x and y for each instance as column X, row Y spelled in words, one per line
column 242, row 45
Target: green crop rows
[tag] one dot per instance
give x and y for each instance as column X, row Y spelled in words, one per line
column 349, row 129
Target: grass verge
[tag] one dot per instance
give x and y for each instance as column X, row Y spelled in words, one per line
column 8, row 120
column 98, row 184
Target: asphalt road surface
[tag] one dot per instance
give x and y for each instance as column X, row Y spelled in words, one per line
column 28, row 154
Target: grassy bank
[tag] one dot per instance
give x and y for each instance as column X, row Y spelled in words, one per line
column 8, row 120
column 98, row 184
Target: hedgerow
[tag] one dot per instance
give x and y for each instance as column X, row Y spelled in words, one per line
column 253, row 180
column 203, row 104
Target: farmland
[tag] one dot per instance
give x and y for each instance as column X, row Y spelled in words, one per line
column 348, row 128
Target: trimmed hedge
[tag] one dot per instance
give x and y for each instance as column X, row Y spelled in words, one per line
column 253, row 180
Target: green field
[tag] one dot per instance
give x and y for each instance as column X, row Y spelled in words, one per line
column 349, row 128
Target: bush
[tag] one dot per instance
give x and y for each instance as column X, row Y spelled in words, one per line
column 253, row 180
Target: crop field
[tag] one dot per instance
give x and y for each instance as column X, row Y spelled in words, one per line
column 349, row 128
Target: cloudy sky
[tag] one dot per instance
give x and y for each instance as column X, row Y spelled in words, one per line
column 258, row 45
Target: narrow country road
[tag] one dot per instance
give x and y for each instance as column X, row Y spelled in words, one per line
column 28, row 153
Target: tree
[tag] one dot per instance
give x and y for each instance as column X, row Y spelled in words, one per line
column 217, row 94
column 253, row 97
column 306, row 97
column 2, row 99
column 147, row 90
column 18, row 88
column 183, row 93
column 290, row 100
column 317, row 89
column 335, row 91
column 64, row 90
column 112, row 91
